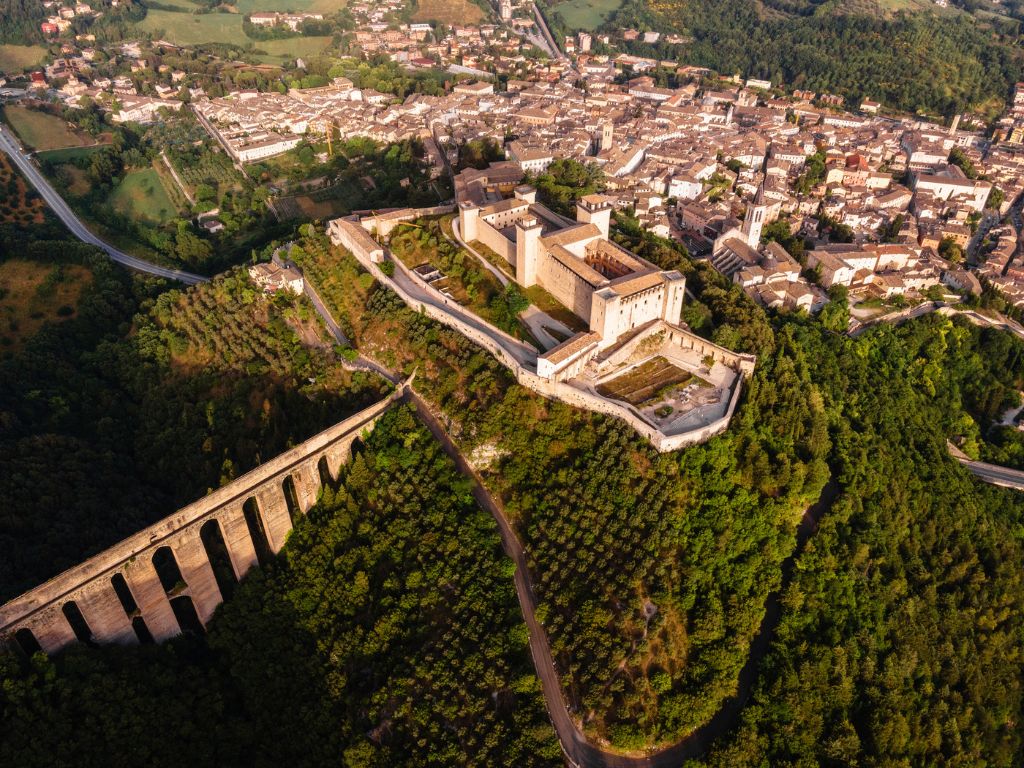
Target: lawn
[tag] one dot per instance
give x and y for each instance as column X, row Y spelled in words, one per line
column 42, row 130
column 142, row 195
column 17, row 58
column 586, row 14
column 32, row 294
column 448, row 11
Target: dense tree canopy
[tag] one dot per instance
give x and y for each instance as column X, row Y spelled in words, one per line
column 912, row 60
column 141, row 403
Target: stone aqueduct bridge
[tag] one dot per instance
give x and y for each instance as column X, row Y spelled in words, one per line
column 162, row 580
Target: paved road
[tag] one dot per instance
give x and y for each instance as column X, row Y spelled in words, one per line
column 553, row 49
column 9, row 145
column 990, row 473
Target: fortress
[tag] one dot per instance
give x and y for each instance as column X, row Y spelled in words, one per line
column 608, row 287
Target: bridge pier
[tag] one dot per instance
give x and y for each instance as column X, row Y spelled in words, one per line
column 338, row 455
column 307, row 485
column 154, row 607
column 105, row 615
column 237, row 540
column 197, row 572
column 52, row 630
column 274, row 512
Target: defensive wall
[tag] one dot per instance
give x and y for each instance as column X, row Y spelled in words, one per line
column 385, row 221
column 161, row 580
column 556, row 390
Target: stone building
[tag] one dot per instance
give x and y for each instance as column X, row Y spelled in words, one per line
column 611, row 289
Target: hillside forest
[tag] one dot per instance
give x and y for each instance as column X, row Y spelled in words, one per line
column 387, row 631
column 911, row 60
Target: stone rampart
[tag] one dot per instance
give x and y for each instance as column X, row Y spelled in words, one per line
column 120, row 596
column 383, row 223
column 560, row 390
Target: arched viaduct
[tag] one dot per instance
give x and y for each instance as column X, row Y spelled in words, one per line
column 170, row 577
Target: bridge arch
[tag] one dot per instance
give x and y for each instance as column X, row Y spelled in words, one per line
column 77, row 621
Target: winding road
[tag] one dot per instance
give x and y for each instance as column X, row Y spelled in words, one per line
column 10, row 146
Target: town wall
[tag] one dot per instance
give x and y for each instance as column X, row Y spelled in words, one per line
column 112, row 617
column 383, row 223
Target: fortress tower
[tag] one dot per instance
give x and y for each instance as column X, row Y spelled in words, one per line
column 528, row 231
column 469, row 216
column 596, row 210
column 607, row 135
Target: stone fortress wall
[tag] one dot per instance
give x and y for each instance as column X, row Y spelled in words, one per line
column 118, row 595
column 365, row 254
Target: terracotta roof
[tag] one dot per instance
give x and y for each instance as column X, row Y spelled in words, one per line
column 627, row 286
column 571, row 235
column 570, row 347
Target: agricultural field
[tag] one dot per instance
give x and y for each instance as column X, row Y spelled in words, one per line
column 587, row 15
column 194, row 29
column 171, row 187
column 296, row 6
column 448, row 11
column 17, row 58
column 141, row 195
column 186, row 28
column 213, row 168
column 18, row 205
column 32, row 294
column 278, row 51
column 44, row 131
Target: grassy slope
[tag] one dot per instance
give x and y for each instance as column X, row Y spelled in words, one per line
column 142, row 194
column 31, row 295
column 15, row 58
column 586, row 14
column 43, row 131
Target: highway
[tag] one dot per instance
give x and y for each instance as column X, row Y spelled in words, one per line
column 10, row 146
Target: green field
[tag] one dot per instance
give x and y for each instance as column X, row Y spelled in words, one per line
column 43, row 131
column 196, row 29
column 16, row 58
column 69, row 155
column 586, row 14
column 277, row 51
column 448, row 11
column 142, row 196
